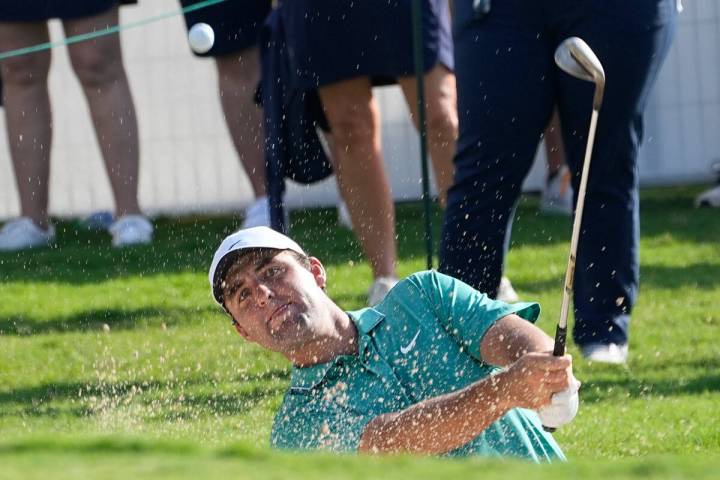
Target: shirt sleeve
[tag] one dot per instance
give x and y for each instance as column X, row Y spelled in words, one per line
column 466, row 313
column 307, row 423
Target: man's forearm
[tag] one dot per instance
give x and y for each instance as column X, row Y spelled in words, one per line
column 440, row 424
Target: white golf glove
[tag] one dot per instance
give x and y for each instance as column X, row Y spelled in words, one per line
column 563, row 407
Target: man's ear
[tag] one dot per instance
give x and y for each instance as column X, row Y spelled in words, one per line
column 318, row 271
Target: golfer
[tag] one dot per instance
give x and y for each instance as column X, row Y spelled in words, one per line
column 435, row 368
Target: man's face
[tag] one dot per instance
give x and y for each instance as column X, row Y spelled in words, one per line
column 274, row 300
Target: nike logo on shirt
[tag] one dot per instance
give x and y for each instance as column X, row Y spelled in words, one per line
column 404, row 350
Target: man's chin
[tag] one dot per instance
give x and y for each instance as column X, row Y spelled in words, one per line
column 292, row 334
column 290, row 327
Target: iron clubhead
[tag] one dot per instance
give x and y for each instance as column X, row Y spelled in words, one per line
column 575, row 57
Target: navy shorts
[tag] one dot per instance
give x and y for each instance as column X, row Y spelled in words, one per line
column 334, row 40
column 41, row 10
column 236, row 23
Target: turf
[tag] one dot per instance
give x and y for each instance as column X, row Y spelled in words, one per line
column 117, row 362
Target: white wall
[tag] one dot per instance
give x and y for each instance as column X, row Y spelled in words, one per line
column 188, row 163
column 683, row 117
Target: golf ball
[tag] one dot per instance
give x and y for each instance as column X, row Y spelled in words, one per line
column 201, row 37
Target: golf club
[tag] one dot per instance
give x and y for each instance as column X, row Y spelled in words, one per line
column 422, row 127
column 576, row 58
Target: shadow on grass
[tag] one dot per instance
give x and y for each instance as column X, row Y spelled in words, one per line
column 186, row 244
column 81, row 257
column 665, row 212
column 318, row 232
column 598, row 390
column 41, row 401
column 93, row 320
column 228, row 404
column 670, row 377
column 702, row 276
column 85, row 445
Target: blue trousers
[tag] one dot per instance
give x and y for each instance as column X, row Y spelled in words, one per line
column 507, row 85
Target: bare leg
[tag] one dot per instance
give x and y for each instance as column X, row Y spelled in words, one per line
column 28, row 114
column 355, row 122
column 238, row 76
column 442, row 121
column 98, row 65
column 557, row 195
column 554, row 145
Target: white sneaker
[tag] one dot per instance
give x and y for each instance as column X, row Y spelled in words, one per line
column 343, row 216
column 506, row 293
column 605, row 352
column 257, row 214
column 380, row 287
column 557, row 196
column 22, row 233
column 131, row 230
column 709, row 198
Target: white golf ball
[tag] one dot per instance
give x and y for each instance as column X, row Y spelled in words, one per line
column 201, row 37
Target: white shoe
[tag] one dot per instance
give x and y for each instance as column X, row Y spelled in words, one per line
column 605, row 352
column 557, row 196
column 257, row 214
column 380, row 287
column 506, row 293
column 131, row 230
column 709, row 198
column 343, row 215
column 22, row 233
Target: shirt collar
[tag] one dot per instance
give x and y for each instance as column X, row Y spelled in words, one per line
column 365, row 320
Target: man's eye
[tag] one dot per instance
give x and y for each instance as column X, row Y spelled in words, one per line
column 272, row 271
column 244, row 293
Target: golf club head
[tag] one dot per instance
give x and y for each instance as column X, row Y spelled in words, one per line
column 577, row 59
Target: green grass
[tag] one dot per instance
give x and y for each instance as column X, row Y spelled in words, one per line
column 117, row 362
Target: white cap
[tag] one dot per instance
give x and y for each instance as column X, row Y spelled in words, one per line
column 256, row 237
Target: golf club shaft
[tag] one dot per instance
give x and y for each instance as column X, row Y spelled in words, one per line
column 561, row 332
column 422, row 127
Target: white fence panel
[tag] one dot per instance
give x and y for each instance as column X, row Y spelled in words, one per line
column 188, row 163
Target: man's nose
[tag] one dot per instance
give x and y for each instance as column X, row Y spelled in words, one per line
column 262, row 294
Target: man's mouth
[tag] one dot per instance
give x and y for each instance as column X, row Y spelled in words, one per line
column 277, row 318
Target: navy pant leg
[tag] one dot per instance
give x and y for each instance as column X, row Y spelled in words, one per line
column 631, row 39
column 505, row 98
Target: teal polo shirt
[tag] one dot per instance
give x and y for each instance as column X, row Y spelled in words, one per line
column 421, row 341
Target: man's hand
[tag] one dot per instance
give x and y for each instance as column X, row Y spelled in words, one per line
column 535, row 377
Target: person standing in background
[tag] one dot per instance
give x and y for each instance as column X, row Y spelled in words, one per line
column 557, row 192
column 99, row 67
column 236, row 24
column 344, row 48
column 556, row 196
column 508, row 86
